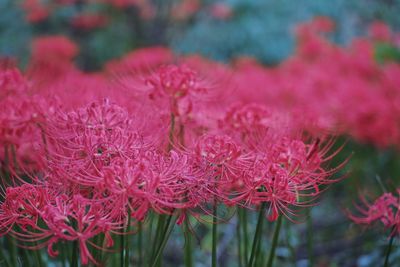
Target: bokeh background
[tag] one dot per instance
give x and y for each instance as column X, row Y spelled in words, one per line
column 227, row 31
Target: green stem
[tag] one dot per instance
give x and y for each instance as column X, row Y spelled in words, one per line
column 149, row 241
column 188, row 244
column 214, row 236
column 127, row 245
column 140, row 242
column 171, row 132
column 156, row 239
column 164, row 239
column 95, row 252
column 388, row 250
column 259, row 258
column 38, row 258
column 74, row 260
column 122, row 247
column 239, row 243
column 13, row 251
column 274, row 242
column 310, row 240
column 100, row 256
column 245, row 234
column 3, row 258
column 25, row 257
column 257, row 234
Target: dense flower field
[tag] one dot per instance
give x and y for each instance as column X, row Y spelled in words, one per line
column 111, row 167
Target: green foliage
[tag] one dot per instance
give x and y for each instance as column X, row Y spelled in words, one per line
column 385, row 52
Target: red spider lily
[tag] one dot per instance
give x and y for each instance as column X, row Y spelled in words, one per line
column 23, row 207
column 61, row 218
column 78, row 219
column 21, row 121
column 166, row 185
column 285, row 176
column 84, row 142
column 36, row 10
column 385, row 209
column 52, row 58
column 380, row 32
column 176, row 84
column 221, row 162
column 221, row 11
column 88, row 22
column 49, row 48
column 246, row 120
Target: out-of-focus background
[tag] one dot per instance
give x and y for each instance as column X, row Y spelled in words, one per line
column 234, row 31
column 221, row 30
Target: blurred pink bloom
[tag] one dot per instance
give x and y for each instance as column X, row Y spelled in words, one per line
column 221, row 11
column 379, row 31
column 385, row 210
column 88, row 22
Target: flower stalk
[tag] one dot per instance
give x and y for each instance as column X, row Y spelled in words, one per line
column 274, row 242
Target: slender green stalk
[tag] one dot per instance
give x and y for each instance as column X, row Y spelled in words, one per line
column 122, row 247
column 25, row 257
column 214, row 236
column 14, row 157
column 257, row 234
column 6, row 163
column 101, row 257
column 171, row 132
column 63, row 254
column 274, row 242
column 140, row 243
column 98, row 240
column 74, row 259
column 245, row 234
column 164, row 238
column 388, row 250
column 13, row 251
column 156, row 239
column 188, row 244
column 3, row 258
column 38, row 258
column 239, row 240
column 149, row 241
column 127, row 245
column 259, row 258
column 310, row 240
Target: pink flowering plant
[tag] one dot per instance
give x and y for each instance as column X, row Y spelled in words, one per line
column 105, row 172
column 109, row 167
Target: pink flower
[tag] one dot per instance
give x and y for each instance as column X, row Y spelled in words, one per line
column 379, row 31
column 88, row 22
column 221, row 11
column 87, row 141
column 286, row 176
column 385, row 209
column 36, row 10
column 22, row 206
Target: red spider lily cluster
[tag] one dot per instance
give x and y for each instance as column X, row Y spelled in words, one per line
column 101, row 163
column 344, row 88
column 385, row 210
column 38, row 11
column 169, row 139
column 88, row 154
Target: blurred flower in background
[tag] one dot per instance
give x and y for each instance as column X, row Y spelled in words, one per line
column 199, row 113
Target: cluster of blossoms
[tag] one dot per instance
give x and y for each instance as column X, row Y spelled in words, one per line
column 385, row 210
column 91, row 14
column 344, row 88
column 89, row 154
column 160, row 143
